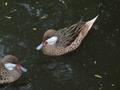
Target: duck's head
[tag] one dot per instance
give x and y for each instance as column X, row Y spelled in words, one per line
column 11, row 63
column 49, row 38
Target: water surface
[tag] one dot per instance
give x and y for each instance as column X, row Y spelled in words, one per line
column 93, row 66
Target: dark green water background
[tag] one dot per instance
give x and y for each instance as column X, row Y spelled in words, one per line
column 95, row 65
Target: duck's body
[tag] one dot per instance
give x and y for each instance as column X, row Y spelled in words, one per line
column 68, row 39
column 9, row 73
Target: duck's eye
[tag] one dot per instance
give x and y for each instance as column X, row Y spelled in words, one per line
column 46, row 38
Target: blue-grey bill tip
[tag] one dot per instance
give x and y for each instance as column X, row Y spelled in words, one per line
column 39, row 47
column 23, row 69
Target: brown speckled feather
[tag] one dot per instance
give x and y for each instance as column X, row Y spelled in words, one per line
column 7, row 76
column 67, row 35
column 69, row 38
column 4, row 74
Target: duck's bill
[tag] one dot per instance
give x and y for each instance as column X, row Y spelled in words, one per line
column 39, row 47
column 23, row 69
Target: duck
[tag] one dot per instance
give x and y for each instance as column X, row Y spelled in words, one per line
column 65, row 40
column 10, row 69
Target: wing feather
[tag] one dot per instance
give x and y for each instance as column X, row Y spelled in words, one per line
column 67, row 35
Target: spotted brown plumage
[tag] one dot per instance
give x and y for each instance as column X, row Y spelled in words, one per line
column 68, row 39
column 6, row 75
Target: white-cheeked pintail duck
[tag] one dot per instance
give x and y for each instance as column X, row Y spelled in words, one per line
column 10, row 69
column 65, row 40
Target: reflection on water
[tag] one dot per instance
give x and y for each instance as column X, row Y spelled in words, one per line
column 60, row 71
column 94, row 66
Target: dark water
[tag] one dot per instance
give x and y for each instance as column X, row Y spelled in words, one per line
column 93, row 66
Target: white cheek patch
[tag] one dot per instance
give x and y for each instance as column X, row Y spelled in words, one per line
column 52, row 40
column 10, row 66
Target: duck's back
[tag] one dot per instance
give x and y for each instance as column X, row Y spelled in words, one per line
column 69, row 34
